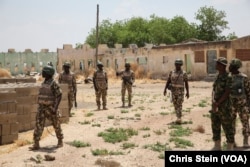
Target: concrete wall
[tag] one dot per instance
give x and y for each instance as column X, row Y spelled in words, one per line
column 27, row 61
column 18, row 108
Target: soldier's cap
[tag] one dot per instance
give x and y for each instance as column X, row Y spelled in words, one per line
column 127, row 64
column 236, row 63
column 67, row 64
column 222, row 60
column 100, row 64
column 49, row 70
column 178, row 61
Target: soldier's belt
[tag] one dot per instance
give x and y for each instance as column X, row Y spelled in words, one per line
column 177, row 86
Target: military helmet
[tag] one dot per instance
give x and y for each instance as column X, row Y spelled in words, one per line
column 49, row 70
column 236, row 63
column 100, row 64
column 222, row 60
column 127, row 64
column 178, row 61
column 67, row 64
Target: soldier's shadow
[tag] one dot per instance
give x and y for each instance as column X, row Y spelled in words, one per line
column 47, row 149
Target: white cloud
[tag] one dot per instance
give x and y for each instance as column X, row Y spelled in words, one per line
column 232, row 2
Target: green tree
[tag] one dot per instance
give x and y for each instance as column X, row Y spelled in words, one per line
column 181, row 30
column 212, row 23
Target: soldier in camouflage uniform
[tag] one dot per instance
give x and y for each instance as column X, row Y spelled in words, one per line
column 49, row 98
column 100, row 80
column 128, row 78
column 240, row 94
column 221, row 114
column 178, row 79
column 68, row 77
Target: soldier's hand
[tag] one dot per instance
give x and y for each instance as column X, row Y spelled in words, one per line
column 187, row 95
column 165, row 92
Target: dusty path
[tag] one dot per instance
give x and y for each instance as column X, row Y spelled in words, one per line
column 151, row 115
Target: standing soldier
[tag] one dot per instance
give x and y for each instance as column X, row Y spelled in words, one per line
column 240, row 94
column 49, row 98
column 100, row 81
column 128, row 78
column 221, row 114
column 68, row 77
column 178, row 79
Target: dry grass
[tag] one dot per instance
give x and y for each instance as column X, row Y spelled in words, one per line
column 199, row 129
column 4, row 73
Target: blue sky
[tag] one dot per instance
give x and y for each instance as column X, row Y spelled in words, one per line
column 38, row 24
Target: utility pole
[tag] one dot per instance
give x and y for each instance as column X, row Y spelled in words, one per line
column 97, row 35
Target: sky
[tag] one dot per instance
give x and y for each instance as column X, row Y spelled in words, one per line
column 49, row 24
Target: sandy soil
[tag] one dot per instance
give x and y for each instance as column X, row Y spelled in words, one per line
column 150, row 110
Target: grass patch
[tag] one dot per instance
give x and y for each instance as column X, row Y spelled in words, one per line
column 137, row 115
column 89, row 114
column 97, row 125
column 202, row 103
column 102, row 152
column 146, row 135
column 78, row 144
column 84, row 122
column 164, row 113
column 145, row 128
column 158, row 147
column 159, row 132
column 111, row 116
column 179, row 131
column 181, row 143
column 128, row 145
column 124, row 111
column 114, row 135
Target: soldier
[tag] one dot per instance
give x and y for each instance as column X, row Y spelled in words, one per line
column 49, row 98
column 240, row 94
column 128, row 78
column 100, row 81
column 178, row 79
column 68, row 77
column 221, row 114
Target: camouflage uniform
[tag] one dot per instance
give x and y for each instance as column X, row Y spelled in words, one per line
column 177, row 89
column 239, row 101
column 46, row 99
column 223, row 117
column 239, row 97
column 128, row 78
column 100, row 80
column 71, row 81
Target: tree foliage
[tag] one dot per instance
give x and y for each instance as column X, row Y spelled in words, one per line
column 159, row 30
column 212, row 23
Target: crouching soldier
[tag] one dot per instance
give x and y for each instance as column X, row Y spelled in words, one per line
column 49, row 98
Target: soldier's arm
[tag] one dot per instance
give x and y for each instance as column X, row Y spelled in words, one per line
column 60, row 78
column 186, row 85
column 57, row 93
column 74, row 83
column 167, row 83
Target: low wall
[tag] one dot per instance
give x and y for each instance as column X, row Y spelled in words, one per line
column 18, row 108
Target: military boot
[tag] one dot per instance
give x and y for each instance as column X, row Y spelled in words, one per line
column 60, row 143
column 178, row 121
column 123, row 104
column 105, row 108
column 98, row 108
column 245, row 141
column 230, row 146
column 217, row 146
column 36, row 146
column 129, row 104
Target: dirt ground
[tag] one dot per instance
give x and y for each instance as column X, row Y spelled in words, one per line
column 152, row 116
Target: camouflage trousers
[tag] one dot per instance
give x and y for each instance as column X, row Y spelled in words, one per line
column 178, row 99
column 71, row 99
column 239, row 105
column 43, row 113
column 101, row 93
column 223, row 118
column 127, row 87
